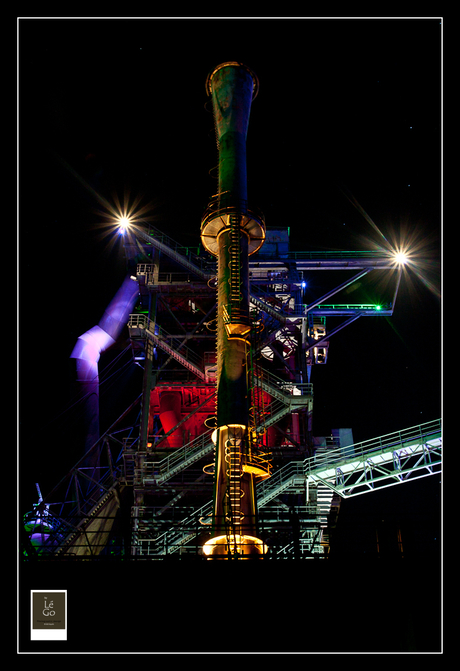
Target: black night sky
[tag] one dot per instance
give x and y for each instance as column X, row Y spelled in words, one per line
column 347, row 106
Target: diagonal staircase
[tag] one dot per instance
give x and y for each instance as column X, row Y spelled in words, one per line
column 140, row 326
column 406, row 455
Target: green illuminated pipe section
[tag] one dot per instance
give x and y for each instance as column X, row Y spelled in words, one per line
column 232, row 87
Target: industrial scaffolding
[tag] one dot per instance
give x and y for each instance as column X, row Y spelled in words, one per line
column 150, row 497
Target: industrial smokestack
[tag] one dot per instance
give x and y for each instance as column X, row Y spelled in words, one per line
column 232, row 232
column 88, row 349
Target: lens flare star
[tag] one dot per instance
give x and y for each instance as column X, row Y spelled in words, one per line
column 123, row 223
column 401, row 258
column 121, row 219
column 413, row 251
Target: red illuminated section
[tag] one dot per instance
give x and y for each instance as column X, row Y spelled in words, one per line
column 179, row 414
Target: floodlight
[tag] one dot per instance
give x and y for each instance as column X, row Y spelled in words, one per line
column 400, row 258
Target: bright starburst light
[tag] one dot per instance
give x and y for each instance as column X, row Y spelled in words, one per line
column 123, row 223
column 122, row 218
column 412, row 251
column 400, row 257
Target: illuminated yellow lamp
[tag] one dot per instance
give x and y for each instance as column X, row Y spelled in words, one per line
column 242, row 545
column 257, row 466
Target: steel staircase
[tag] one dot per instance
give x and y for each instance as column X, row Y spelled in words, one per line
column 158, row 472
column 410, row 454
column 141, row 326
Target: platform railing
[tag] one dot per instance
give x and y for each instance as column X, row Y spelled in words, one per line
column 383, row 444
column 181, row 457
column 424, row 441
column 325, row 467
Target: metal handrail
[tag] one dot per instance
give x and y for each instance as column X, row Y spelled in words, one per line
column 179, row 456
column 356, row 452
column 285, row 476
column 284, row 387
column 142, row 321
column 374, row 446
column 337, row 254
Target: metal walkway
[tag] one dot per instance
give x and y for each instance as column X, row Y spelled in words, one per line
column 385, row 461
column 174, row 251
column 373, row 464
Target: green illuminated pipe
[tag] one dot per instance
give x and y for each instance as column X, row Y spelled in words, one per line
column 232, row 87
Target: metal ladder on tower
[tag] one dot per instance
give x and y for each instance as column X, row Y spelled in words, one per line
column 233, row 517
column 235, row 265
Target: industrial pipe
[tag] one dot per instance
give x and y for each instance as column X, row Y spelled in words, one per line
column 89, row 347
column 232, row 232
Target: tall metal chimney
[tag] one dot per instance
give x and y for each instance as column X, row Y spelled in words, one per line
column 232, row 232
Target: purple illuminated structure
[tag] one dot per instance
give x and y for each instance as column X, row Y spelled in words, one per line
column 91, row 345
